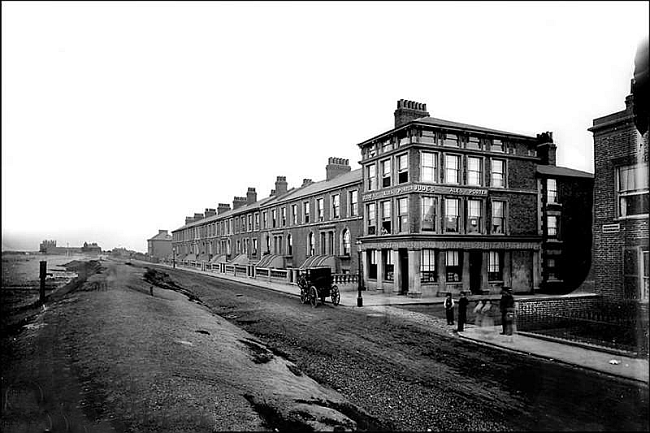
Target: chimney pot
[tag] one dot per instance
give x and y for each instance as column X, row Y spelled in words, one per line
column 408, row 111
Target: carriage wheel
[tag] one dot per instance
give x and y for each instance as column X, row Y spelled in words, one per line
column 313, row 297
column 336, row 295
column 304, row 296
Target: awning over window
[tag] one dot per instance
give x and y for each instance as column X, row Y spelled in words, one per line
column 273, row 261
column 333, row 262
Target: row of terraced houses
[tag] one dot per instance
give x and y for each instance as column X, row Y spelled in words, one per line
column 436, row 207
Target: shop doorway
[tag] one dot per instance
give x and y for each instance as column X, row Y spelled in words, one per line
column 403, row 270
column 475, row 262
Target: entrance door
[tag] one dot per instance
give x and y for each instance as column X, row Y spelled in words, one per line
column 404, row 270
column 475, row 260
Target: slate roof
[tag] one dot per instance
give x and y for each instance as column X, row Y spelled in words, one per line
column 552, row 170
column 161, row 237
column 442, row 123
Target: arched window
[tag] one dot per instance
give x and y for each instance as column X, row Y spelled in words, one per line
column 346, row 242
column 310, row 245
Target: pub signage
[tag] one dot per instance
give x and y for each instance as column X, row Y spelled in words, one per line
column 426, row 189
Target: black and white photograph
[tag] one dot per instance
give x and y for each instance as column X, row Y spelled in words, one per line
column 295, row 216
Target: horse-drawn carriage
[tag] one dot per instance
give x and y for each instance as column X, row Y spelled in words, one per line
column 316, row 285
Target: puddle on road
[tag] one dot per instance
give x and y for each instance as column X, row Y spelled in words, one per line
column 187, row 343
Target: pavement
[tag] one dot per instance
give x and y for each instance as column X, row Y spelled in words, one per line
column 592, row 358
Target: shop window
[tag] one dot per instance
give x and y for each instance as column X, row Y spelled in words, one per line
column 498, row 217
column 452, row 169
column 372, row 218
column 371, row 177
column 385, row 173
column 428, row 272
column 551, row 191
column 402, row 215
column 428, row 223
column 474, row 171
column 452, row 215
column 632, row 190
column 495, row 266
column 474, row 216
column 389, row 268
column 336, row 206
column 386, row 218
column 428, row 167
column 498, row 173
column 372, row 264
column 402, row 169
column 453, row 265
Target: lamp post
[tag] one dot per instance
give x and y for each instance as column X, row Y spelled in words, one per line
column 174, row 257
column 360, row 280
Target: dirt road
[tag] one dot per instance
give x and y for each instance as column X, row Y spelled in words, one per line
column 419, row 377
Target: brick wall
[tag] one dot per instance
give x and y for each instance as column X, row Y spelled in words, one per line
column 534, row 314
column 616, row 141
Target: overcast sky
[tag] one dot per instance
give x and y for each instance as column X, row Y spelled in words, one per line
column 119, row 119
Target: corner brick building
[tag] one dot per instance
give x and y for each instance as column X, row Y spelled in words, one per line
column 620, row 206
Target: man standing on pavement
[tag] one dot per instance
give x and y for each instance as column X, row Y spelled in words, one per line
column 507, row 307
column 462, row 311
column 449, row 309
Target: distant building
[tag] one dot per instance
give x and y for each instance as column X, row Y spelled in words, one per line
column 91, row 248
column 160, row 246
column 621, row 206
column 49, row 247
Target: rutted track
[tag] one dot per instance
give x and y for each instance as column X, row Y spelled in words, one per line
column 417, row 377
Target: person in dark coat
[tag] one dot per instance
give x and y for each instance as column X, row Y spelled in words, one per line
column 462, row 311
column 449, row 309
column 507, row 307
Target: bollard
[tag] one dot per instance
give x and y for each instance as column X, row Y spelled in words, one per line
column 43, row 273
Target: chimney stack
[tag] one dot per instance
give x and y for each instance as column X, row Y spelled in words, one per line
column 238, row 202
column 210, row 212
column 222, row 207
column 251, row 196
column 272, row 193
column 546, row 149
column 162, row 232
column 306, row 182
column 198, row 216
column 408, row 111
column 336, row 167
column 188, row 220
column 281, row 185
